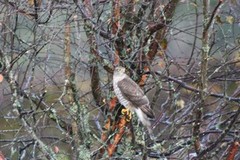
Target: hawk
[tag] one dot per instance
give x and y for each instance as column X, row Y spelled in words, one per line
column 131, row 96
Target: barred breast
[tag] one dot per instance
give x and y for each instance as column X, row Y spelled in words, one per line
column 119, row 95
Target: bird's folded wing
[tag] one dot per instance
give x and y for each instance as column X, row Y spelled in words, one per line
column 134, row 94
column 148, row 111
column 130, row 89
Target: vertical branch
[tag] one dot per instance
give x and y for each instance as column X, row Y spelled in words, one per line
column 95, row 86
column 203, row 78
column 115, row 28
column 69, row 85
column 36, row 7
column 195, row 32
column 116, row 16
column 207, row 22
column 94, row 72
column 79, row 124
column 67, row 51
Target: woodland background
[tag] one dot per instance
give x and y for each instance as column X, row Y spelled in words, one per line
column 56, row 63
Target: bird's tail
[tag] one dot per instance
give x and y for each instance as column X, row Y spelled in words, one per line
column 150, row 132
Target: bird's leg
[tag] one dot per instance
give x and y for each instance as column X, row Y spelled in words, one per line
column 128, row 114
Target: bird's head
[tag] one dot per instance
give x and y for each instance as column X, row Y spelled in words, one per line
column 119, row 70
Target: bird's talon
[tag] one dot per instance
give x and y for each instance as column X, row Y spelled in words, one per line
column 127, row 113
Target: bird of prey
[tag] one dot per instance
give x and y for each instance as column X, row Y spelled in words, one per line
column 131, row 96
